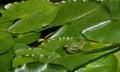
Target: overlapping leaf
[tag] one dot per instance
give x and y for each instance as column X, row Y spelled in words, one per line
column 89, row 18
column 18, row 46
column 114, row 8
column 74, row 10
column 57, row 45
column 118, row 58
column 86, row 17
column 5, row 25
column 24, row 56
column 40, row 67
column 6, row 42
column 27, row 38
column 30, row 15
column 70, row 61
column 75, row 60
column 108, row 31
column 107, row 64
column 6, row 61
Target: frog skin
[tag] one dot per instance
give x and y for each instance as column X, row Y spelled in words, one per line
column 74, row 47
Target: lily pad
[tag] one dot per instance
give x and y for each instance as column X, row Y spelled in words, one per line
column 72, row 61
column 118, row 58
column 88, row 17
column 18, row 46
column 41, row 67
column 30, row 15
column 5, row 25
column 106, row 32
column 58, row 45
column 107, row 64
column 27, row 38
column 6, row 42
column 24, row 56
column 73, row 11
column 6, row 61
column 114, row 8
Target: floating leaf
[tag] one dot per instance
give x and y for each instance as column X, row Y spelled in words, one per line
column 6, row 42
column 5, row 25
column 27, row 38
column 74, row 10
column 24, row 56
column 95, row 15
column 114, row 8
column 40, row 67
column 6, row 61
column 18, row 46
column 37, row 51
column 30, row 15
column 57, row 45
column 107, row 31
column 23, row 60
column 118, row 58
column 72, row 61
column 106, row 64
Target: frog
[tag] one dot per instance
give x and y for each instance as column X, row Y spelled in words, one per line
column 74, row 47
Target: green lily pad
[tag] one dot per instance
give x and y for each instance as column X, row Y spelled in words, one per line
column 24, row 56
column 73, row 11
column 58, row 45
column 88, row 17
column 6, row 61
column 5, row 25
column 72, row 61
column 30, row 15
column 106, row 64
column 41, row 67
column 23, row 60
column 114, row 8
column 27, row 38
column 18, row 46
column 6, row 42
column 106, row 32
column 118, row 58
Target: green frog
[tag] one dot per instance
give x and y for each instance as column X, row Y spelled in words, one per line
column 74, row 47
